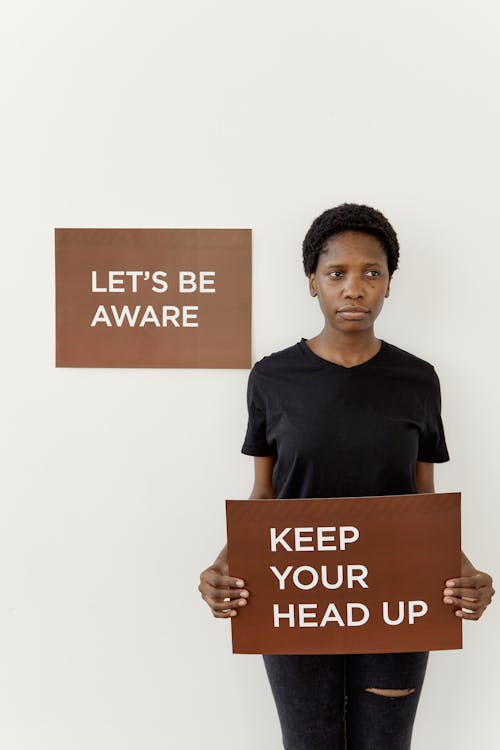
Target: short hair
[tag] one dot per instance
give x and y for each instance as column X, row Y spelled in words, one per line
column 349, row 216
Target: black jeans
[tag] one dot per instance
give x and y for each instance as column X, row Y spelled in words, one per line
column 323, row 703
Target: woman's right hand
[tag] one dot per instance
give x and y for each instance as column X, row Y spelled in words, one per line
column 224, row 594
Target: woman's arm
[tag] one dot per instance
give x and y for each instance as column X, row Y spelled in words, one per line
column 216, row 585
column 474, row 590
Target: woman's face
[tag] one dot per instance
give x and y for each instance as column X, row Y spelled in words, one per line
column 352, row 273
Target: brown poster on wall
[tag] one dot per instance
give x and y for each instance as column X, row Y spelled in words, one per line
column 153, row 298
column 345, row 575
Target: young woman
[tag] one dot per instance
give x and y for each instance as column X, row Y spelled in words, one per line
column 345, row 414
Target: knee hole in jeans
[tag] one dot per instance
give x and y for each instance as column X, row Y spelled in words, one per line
column 391, row 693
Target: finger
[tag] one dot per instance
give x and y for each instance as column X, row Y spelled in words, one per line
column 469, row 593
column 468, row 604
column 218, row 580
column 466, row 582
column 206, row 590
column 223, row 593
column 469, row 615
column 227, row 613
column 220, row 606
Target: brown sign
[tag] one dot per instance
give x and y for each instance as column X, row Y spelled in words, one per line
column 345, row 575
column 153, row 298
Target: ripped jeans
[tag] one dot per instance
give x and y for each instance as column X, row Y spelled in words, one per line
column 323, row 700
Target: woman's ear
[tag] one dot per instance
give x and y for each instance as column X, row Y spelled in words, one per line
column 388, row 287
column 312, row 285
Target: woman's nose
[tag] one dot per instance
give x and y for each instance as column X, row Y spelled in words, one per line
column 353, row 289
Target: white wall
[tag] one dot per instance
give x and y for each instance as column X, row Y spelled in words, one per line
column 225, row 114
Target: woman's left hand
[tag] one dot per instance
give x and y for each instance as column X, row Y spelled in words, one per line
column 473, row 591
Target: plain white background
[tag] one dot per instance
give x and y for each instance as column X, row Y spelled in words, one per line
column 225, row 114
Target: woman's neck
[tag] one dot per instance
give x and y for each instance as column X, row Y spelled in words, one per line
column 345, row 349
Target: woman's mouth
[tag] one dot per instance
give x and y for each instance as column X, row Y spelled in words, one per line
column 354, row 313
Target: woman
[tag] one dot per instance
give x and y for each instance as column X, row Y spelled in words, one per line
column 345, row 414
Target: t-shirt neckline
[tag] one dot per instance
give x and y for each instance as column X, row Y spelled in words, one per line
column 329, row 364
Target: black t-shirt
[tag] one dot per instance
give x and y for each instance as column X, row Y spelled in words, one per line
column 340, row 431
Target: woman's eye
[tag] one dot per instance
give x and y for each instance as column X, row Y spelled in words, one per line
column 372, row 271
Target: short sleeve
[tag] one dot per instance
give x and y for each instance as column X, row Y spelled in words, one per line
column 432, row 443
column 256, row 442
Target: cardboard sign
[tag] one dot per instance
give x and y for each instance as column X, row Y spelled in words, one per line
column 345, row 575
column 153, row 298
